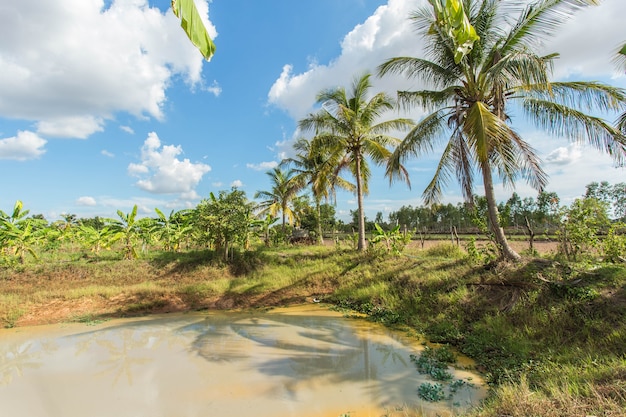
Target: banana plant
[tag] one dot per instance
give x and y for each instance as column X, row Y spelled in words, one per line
column 96, row 239
column 394, row 240
column 127, row 230
column 172, row 229
column 20, row 240
column 16, row 234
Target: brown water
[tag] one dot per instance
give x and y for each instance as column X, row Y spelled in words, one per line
column 299, row 361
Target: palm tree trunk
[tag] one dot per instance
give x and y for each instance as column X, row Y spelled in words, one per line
column 361, row 245
column 506, row 252
column 283, row 213
column 320, row 236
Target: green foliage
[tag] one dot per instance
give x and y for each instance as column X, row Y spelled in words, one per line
column 434, row 362
column 224, row 221
column 19, row 235
column 192, row 24
column 614, row 243
column 585, row 221
column 445, row 250
column 452, row 20
column 127, row 230
column 393, row 240
column 480, row 255
column 173, row 229
column 431, row 392
column 96, row 239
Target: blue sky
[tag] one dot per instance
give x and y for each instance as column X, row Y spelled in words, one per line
column 105, row 104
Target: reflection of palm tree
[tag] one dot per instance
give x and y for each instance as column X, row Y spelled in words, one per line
column 120, row 359
column 14, row 359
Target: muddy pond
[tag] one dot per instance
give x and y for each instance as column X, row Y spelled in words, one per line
column 298, row 361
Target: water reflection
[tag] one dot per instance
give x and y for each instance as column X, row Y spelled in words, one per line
column 298, row 362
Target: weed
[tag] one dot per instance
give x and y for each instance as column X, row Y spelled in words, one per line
column 431, row 392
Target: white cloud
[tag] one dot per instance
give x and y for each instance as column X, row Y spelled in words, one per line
column 161, row 172
column 236, row 184
column 385, row 34
column 127, row 129
column 215, row 89
column 72, row 65
column 564, row 155
column 107, row 153
column 86, row 201
column 25, row 145
column 79, row 127
column 263, row 166
column 587, row 42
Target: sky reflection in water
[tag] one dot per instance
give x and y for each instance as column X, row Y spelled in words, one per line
column 302, row 361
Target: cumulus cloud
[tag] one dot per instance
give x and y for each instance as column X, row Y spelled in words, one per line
column 263, row 166
column 127, row 129
column 389, row 33
column 77, row 127
column 564, row 155
column 236, row 184
column 72, row 65
column 86, row 201
column 107, row 153
column 25, row 145
column 385, row 34
column 161, row 172
column 589, row 52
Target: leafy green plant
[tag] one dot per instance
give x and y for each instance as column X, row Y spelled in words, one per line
column 394, row 241
column 434, row 362
column 431, row 392
column 585, row 220
column 614, row 243
column 481, row 255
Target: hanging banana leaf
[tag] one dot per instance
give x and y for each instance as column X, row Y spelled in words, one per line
column 452, row 19
column 191, row 23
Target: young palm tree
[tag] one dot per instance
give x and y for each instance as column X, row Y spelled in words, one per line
column 285, row 187
column 347, row 127
column 313, row 166
column 471, row 99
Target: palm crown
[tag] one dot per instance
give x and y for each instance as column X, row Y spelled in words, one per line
column 469, row 100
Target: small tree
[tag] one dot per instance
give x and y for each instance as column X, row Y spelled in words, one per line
column 584, row 221
column 224, row 220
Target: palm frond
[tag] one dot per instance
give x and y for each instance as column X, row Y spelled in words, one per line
column 484, row 131
column 428, row 99
column 443, row 174
column 577, row 126
column 588, row 95
column 421, row 139
column 540, row 20
column 428, row 71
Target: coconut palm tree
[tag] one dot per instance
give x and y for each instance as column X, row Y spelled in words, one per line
column 314, row 167
column 469, row 100
column 347, row 127
column 285, row 187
